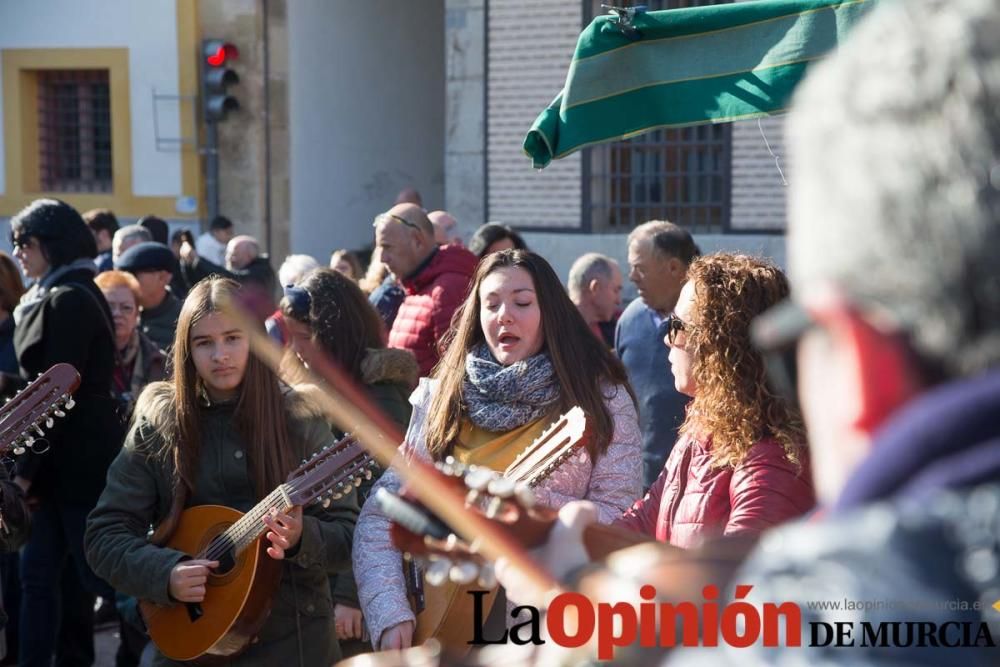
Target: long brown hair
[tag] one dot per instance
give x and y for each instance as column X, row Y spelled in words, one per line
column 259, row 415
column 733, row 404
column 343, row 324
column 583, row 365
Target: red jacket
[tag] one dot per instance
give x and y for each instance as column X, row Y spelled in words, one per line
column 432, row 295
column 692, row 500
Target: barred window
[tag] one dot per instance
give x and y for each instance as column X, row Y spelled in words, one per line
column 682, row 175
column 74, row 130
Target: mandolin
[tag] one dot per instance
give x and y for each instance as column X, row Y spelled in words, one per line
column 24, row 416
column 240, row 590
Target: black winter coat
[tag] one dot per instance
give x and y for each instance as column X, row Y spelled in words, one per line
column 72, row 324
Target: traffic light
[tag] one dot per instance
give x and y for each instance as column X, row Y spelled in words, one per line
column 216, row 56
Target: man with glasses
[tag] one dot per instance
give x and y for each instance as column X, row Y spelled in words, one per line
column 659, row 253
column 894, row 230
column 435, row 279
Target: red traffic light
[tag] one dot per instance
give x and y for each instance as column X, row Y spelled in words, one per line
column 218, row 52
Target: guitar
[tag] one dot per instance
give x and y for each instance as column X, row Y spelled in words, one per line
column 25, row 415
column 240, row 590
column 416, row 531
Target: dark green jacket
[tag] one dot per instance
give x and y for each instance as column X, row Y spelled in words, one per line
column 389, row 376
column 160, row 323
column 138, row 497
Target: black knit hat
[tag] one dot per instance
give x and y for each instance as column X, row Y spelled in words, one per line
column 149, row 256
column 60, row 229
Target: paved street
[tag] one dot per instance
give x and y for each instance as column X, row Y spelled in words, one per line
column 105, row 645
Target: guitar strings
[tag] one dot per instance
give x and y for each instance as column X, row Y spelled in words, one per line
column 249, row 524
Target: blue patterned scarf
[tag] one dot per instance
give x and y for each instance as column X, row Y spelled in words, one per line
column 501, row 398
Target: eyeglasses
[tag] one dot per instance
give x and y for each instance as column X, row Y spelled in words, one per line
column 389, row 216
column 676, row 326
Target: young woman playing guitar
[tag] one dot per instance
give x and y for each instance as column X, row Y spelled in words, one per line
column 521, row 356
column 222, row 432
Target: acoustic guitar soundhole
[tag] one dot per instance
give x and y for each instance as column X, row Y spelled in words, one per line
column 227, row 560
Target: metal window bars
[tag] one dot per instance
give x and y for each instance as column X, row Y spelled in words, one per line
column 74, row 131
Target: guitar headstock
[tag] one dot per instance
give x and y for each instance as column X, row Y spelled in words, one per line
column 25, row 416
column 330, row 473
column 560, row 441
column 442, row 553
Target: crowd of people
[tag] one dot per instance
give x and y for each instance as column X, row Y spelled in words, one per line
column 726, row 402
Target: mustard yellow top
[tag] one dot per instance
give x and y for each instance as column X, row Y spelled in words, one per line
column 493, row 450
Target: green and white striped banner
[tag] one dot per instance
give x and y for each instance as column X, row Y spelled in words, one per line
column 689, row 66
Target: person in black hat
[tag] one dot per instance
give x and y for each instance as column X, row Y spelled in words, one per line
column 62, row 318
column 153, row 265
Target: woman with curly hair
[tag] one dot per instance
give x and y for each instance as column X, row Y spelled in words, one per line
column 740, row 463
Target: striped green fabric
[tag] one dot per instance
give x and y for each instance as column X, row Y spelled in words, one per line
column 689, row 66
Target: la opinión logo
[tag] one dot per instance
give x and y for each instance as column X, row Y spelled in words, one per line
column 574, row 620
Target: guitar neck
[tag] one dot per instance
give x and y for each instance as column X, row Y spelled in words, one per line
column 245, row 532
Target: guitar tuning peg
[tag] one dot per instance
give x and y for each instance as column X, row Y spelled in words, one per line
column 28, row 441
column 50, row 422
column 478, row 479
column 487, row 576
column 437, row 572
column 449, row 460
column 59, row 413
column 70, row 403
column 38, row 430
column 463, row 573
column 501, row 487
column 326, row 503
column 357, row 481
column 368, row 474
column 18, row 450
column 304, row 461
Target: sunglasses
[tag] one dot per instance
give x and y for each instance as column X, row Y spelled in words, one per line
column 676, row 326
column 389, row 216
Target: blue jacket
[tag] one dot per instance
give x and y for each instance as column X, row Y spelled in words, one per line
column 639, row 344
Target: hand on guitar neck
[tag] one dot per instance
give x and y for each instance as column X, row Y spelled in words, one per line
column 285, row 531
column 562, row 540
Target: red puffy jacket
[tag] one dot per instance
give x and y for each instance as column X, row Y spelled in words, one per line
column 432, row 295
column 692, row 500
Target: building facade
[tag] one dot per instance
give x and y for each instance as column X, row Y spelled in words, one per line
column 343, row 104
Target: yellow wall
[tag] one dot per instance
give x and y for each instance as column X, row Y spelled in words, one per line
column 21, row 124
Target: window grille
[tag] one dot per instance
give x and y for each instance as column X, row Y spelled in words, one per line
column 74, row 131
